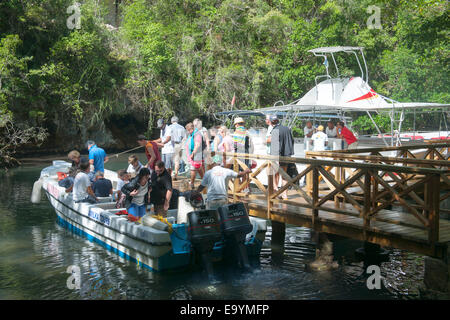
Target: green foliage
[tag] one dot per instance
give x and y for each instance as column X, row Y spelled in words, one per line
column 190, row 57
column 364, row 125
column 12, row 71
column 297, row 132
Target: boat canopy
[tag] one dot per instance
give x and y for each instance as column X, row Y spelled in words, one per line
column 280, row 114
column 344, row 94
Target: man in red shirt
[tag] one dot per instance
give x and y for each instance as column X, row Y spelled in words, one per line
column 344, row 133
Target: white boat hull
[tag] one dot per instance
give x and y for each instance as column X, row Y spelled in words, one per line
column 148, row 247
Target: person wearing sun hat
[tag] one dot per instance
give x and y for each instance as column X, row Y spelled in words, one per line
column 319, row 140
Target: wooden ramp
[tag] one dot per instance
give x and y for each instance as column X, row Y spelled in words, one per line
column 391, row 228
column 389, row 201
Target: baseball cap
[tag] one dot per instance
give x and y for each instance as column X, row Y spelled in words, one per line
column 273, row 117
column 238, row 120
column 320, row 128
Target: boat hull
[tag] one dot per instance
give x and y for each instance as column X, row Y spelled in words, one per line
column 149, row 248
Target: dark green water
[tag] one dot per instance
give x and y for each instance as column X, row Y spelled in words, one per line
column 35, row 253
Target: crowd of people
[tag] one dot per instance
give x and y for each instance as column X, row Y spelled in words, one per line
column 319, row 139
column 203, row 152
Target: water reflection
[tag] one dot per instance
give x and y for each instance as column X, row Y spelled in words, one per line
column 35, row 253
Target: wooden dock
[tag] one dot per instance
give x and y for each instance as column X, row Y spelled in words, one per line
column 389, row 201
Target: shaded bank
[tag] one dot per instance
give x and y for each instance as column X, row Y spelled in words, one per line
column 118, row 134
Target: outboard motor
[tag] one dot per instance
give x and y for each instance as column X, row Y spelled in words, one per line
column 204, row 228
column 235, row 226
column 204, row 231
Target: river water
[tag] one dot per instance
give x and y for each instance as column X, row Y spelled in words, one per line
column 36, row 252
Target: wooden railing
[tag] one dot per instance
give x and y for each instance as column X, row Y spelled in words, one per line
column 329, row 184
column 433, row 151
column 434, row 155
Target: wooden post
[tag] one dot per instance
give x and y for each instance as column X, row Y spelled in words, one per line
column 277, row 241
column 342, row 180
column 309, row 183
column 367, row 201
column 432, row 202
column 315, row 196
column 278, row 233
column 374, row 190
column 338, row 179
column 236, row 181
column 269, row 189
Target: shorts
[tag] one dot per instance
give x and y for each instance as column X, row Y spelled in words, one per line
column 167, row 159
column 137, row 211
column 195, row 165
column 177, row 153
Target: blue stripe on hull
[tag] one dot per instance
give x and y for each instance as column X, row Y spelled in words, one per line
column 91, row 238
column 164, row 262
column 167, row 261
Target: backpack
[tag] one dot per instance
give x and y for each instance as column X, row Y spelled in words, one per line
column 292, row 171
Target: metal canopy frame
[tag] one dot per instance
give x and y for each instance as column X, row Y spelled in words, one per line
column 293, row 111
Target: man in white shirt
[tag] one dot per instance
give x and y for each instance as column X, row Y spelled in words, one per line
column 164, row 142
column 269, row 132
column 178, row 135
column 319, row 140
column 82, row 190
column 308, row 130
column 216, row 180
column 331, row 130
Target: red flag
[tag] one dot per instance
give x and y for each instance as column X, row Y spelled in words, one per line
column 233, row 100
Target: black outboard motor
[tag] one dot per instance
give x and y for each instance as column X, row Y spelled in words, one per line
column 235, row 226
column 204, row 231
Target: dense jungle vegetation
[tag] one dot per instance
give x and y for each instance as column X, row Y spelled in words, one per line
column 130, row 62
